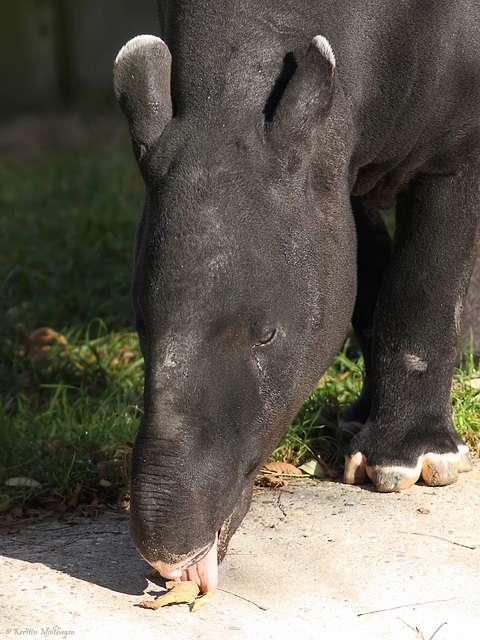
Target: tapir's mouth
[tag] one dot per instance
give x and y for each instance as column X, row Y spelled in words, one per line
column 201, row 566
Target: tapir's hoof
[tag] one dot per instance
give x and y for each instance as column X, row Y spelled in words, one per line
column 434, row 469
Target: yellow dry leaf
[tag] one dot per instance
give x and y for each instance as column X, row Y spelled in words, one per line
column 201, row 600
column 179, row 592
column 283, row 468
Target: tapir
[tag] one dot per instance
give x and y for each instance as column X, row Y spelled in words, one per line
column 269, row 135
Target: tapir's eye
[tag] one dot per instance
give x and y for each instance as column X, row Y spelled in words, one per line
column 264, row 339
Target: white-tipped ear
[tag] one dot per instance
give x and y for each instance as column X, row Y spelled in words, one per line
column 133, row 45
column 306, row 101
column 141, row 80
column 325, row 48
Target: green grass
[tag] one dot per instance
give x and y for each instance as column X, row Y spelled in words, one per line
column 315, row 428
column 71, row 397
column 68, row 406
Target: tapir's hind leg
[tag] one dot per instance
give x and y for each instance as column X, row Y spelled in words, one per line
column 410, row 432
column 374, row 247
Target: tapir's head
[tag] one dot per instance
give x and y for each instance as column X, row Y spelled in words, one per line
column 243, row 289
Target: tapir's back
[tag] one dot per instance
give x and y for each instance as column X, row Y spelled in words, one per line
column 408, row 72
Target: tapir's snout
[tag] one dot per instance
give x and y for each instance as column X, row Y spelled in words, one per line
column 191, row 465
column 181, row 516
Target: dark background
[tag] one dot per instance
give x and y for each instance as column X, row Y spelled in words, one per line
column 59, row 54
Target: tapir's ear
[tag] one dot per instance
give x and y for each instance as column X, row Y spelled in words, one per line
column 306, row 100
column 141, row 80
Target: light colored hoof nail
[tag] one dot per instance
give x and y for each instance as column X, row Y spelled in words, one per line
column 465, row 462
column 439, row 470
column 393, row 479
column 355, row 472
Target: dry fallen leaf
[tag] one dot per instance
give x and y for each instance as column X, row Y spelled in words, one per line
column 283, row 468
column 38, row 345
column 313, row 468
column 205, row 598
column 21, row 481
column 273, row 482
column 275, row 474
column 179, row 592
column 75, row 496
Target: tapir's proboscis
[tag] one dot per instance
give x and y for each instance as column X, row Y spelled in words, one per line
column 269, row 135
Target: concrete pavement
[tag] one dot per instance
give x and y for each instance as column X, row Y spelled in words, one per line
column 325, row 558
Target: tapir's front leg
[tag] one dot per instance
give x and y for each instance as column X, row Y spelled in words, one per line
column 410, row 431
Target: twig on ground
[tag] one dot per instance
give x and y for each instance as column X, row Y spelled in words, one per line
column 403, row 606
column 431, row 535
column 418, row 631
column 443, row 623
column 243, row 598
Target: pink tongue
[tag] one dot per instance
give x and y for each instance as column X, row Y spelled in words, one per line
column 204, row 572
